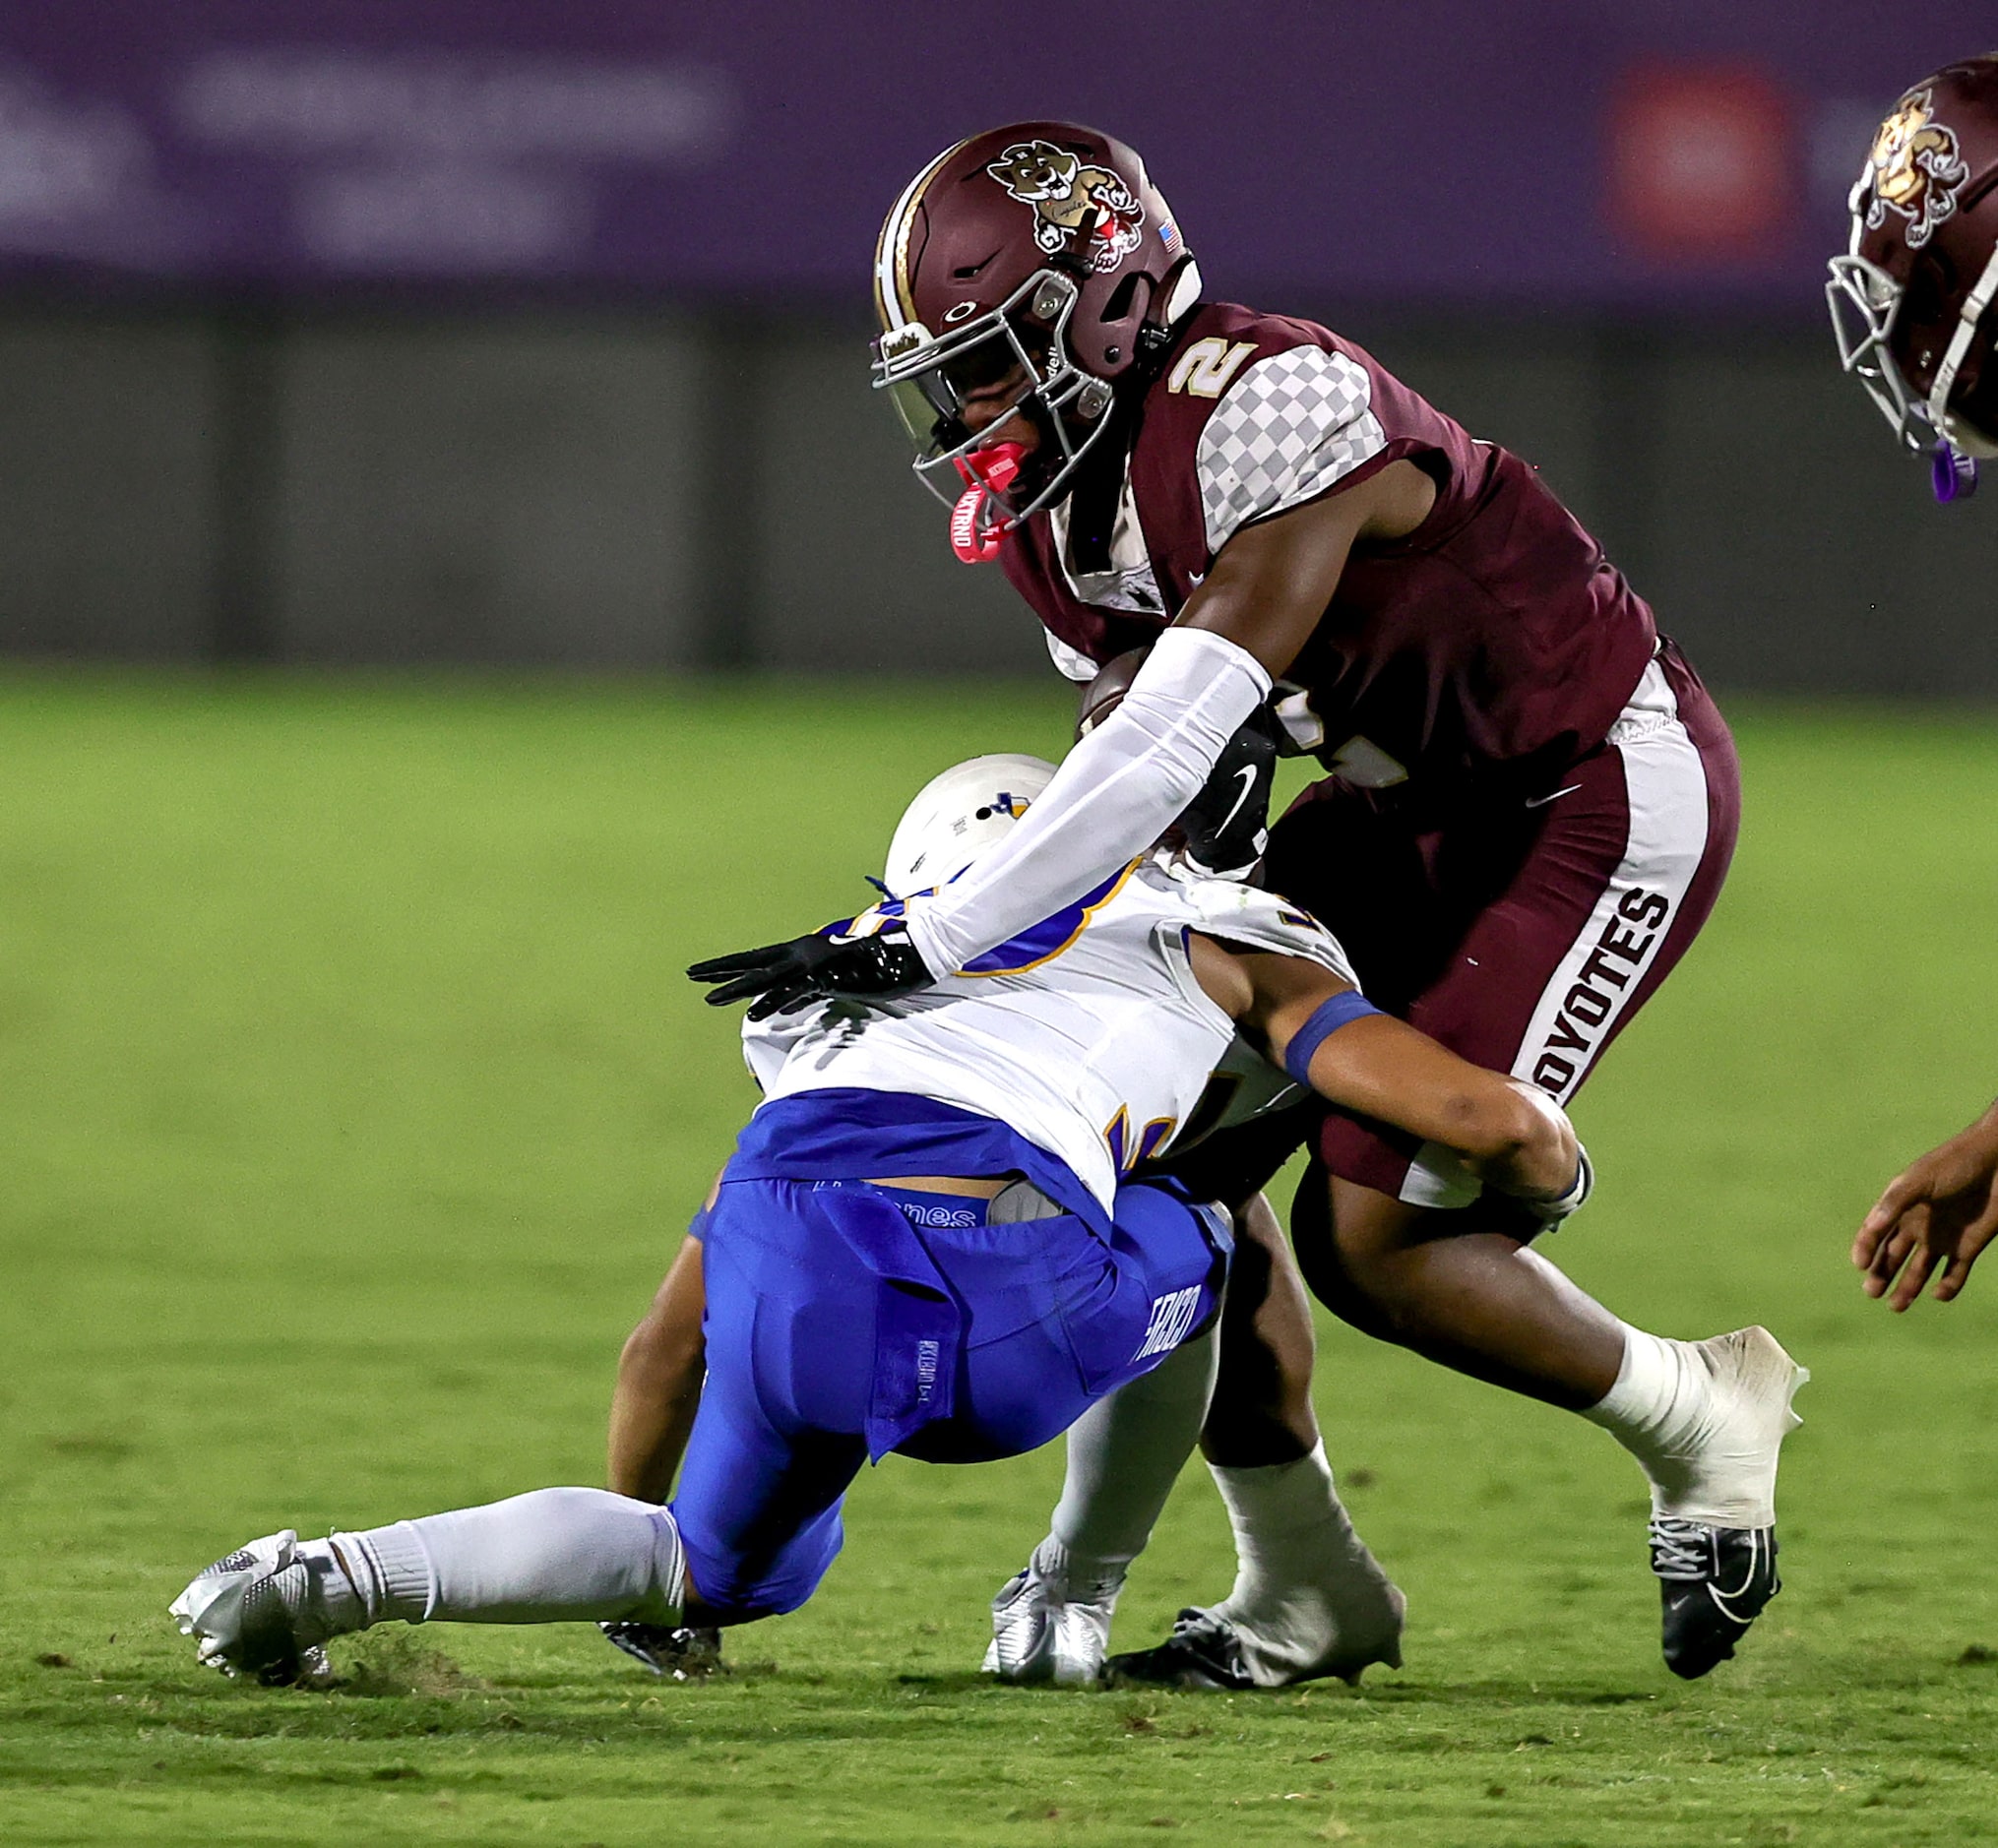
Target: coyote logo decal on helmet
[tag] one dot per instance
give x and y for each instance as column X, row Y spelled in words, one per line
column 1063, row 192
column 1914, row 170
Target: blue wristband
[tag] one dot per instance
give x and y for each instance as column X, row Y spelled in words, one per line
column 1329, row 1018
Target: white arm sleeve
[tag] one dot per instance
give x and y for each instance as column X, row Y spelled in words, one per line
column 1117, row 792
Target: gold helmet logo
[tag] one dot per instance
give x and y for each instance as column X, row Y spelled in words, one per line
column 1914, row 170
column 1062, row 192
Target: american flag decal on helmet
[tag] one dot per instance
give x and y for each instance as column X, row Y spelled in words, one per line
column 1168, row 235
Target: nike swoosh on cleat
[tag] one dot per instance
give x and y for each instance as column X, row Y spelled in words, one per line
column 1723, row 1601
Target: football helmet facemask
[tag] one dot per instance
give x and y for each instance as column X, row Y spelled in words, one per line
column 1020, row 276
column 1910, row 295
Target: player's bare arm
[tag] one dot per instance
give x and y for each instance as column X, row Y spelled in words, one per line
column 1271, row 581
column 1506, row 1133
column 1934, row 1219
column 658, row 1385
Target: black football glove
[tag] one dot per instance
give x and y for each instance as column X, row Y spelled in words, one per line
column 1228, row 824
column 782, row 978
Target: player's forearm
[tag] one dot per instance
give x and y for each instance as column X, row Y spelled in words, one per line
column 1522, row 1143
column 1972, row 1152
column 1506, row 1133
column 1117, row 792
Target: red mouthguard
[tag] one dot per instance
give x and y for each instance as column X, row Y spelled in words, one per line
column 986, row 473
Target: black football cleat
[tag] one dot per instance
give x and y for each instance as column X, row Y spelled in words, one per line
column 1714, row 1583
column 680, row 1654
column 1203, row 1653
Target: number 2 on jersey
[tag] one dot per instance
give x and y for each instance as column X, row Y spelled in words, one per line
column 1206, row 367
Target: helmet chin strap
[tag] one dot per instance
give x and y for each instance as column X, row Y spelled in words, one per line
column 977, row 533
column 1953, row 475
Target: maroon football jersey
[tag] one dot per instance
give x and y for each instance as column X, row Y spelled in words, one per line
column 1496, row 638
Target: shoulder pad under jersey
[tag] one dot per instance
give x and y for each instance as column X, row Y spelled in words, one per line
column 1261, row 920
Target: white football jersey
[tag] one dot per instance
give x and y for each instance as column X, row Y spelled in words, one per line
column 1087, row 1034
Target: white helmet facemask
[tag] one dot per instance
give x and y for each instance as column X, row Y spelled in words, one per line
column 956, row 816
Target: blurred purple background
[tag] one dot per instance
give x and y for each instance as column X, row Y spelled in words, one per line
column 1538, row 151
column 533, row 332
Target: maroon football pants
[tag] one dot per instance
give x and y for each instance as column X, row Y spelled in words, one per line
column 1523, row 933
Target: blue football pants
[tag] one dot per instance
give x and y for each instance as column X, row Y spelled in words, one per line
column 1049, row 1316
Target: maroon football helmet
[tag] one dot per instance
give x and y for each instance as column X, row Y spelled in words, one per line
column 1909, row 297
column 1041, row 254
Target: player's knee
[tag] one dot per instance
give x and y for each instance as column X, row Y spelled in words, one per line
column 723, row 1589
column 1258, row 1233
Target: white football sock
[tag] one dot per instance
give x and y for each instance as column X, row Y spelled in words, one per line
column 1309, row 1598
column 1704, row 1419
column 1124, row 1455
column 550, row 1555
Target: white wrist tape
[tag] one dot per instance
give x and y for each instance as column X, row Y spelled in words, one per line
column 1554, row 1210
column 1117, row 792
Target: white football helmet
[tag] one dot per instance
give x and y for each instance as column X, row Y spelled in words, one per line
column 958, row 814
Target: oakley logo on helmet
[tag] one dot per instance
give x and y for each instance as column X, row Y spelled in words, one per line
column 1914, row 170
column 1062, row 192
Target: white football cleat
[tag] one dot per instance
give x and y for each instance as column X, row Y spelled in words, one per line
column 1046, row 1630
column 1714, row 1544
column 266, row 1609
column 1730, row 1460
column 1328, row 1633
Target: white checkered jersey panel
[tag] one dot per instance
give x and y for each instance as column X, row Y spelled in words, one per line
column 1289, row 428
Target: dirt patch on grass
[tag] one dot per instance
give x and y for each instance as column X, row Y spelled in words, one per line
column 392, row 1662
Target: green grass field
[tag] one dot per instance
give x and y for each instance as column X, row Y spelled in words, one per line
column 352, row 1103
